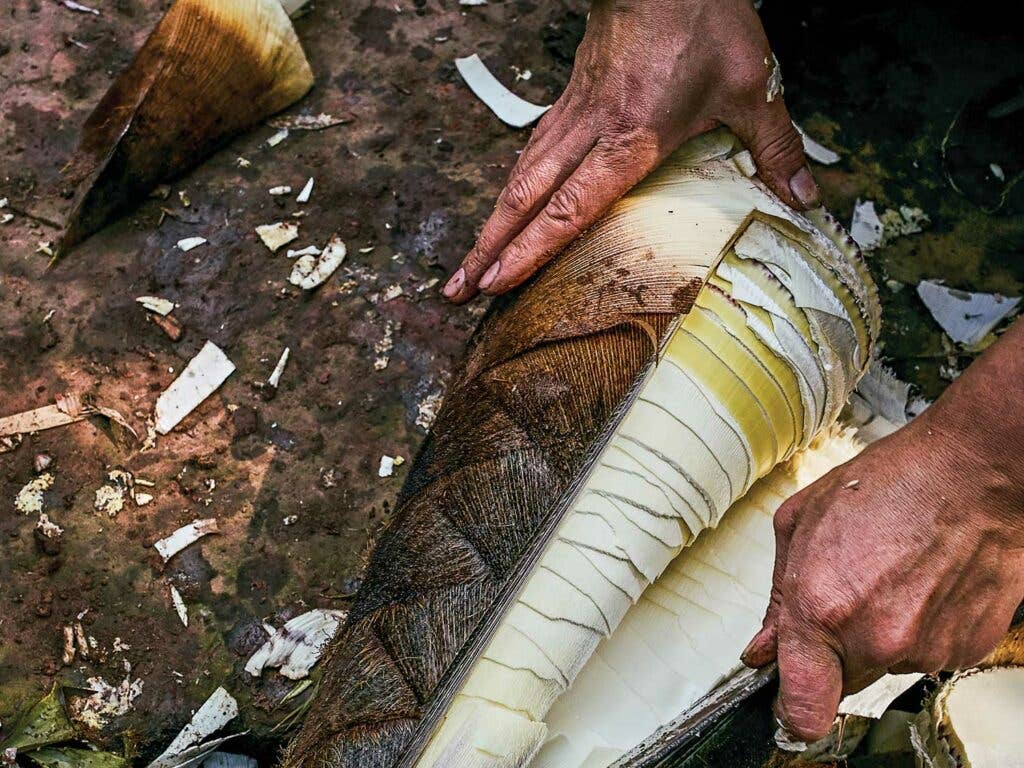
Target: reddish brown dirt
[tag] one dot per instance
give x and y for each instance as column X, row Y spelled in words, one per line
column 412, row 175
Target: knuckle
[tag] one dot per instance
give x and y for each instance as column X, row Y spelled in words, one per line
column 785, row 518
column 566, row 208
column 892, row 645
column 519, row 195
column 822, row 606
column 778, row 144
column 748, row 75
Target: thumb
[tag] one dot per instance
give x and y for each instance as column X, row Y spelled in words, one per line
column 810, row 687
column 778, row 152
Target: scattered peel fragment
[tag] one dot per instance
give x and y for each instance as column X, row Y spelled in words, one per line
column 508, row 107
column 308, row 272
column 179, row 605
column 201, row 377
column 277, row 234
column 68, row 409
column 307, row 191
column 866, row 227
column 275, row 376
column 816, row 151
column 188, row 243
column 215, row 713
column 966, row 317
column 298, row 645
column 106, row 701
column 308, row 122
column 29, row 500
column 171, row 545
column 156, row 304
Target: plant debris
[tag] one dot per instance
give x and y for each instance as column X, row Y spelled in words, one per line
column 72, row 5
column 307, row 190
column 171, row 545
column 966, row 317
column 156, row 304
column 815, row 151
column 277, row 234
column 188, row 243
column 508, row 107
column 67, row 409
column 179, row 605
column 202, row 376
column 105, row 701
column 275, row 376
column 866, row 227
column 190, row 745
column 30, row 498
column 308, row 271
column 308, row 122
column 384, row 346
column 298, row 645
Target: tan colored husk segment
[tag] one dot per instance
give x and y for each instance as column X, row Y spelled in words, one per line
column 208, row 71
column 974, row 721
column 574, row 461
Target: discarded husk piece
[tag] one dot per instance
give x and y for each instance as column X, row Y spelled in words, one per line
column 75, row 757
column 309, row 271
column 191, row 742
column 298, row 645
column 609, row 412
column 974, row 721
column 44, row 724
column 209, row 71
column 68, row 409
column 201, row 377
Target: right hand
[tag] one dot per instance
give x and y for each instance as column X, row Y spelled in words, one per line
column 649, row 74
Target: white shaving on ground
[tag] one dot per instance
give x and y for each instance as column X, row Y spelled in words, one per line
column 508, row 107
column 201, row 377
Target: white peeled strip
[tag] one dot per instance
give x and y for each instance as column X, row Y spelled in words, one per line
column 480, row 732
column 514, row 649
column 698, row 616
column 618, row 571
column 508, row 107
column 711, row 423
column 552, row 595
column 762, row 243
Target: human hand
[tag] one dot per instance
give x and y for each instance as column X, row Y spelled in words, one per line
column 909, row 558
column 648, row 75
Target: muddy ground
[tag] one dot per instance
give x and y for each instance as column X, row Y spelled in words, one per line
column 293, row 480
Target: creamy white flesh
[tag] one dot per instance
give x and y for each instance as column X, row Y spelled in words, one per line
column 976, row 721
column 762, row 362
column 687, row 631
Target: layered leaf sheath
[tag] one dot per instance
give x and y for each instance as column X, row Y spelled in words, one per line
column 210, row 69
column 557, row 554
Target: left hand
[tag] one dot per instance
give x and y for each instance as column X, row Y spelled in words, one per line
column 647, row 77
column 918, row 566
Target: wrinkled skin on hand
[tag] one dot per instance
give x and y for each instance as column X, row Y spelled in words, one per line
column 910, row 557
column 648, row 76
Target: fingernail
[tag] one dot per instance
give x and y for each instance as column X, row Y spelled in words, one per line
column 804, row 188
column 489, row 275
column 745, row 657
column 455, row 283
